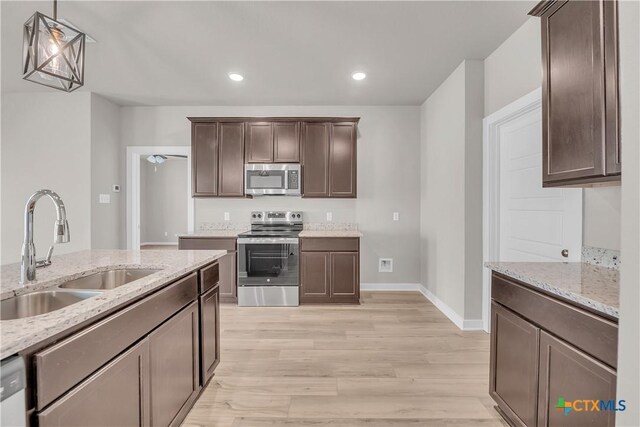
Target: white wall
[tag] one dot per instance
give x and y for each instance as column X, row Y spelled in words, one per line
column 388, row 177
column 451, row 191
column 515, row 69
column 46, row 143
column 163, row 207
column 629, row 333
column 106, row 159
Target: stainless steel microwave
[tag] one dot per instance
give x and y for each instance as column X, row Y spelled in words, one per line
column 272, row 179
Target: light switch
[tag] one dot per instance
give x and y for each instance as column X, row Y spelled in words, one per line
column 104, row 198
column 329, row 216
column 396, row 216
column 227, row 216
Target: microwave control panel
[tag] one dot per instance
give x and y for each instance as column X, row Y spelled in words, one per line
column 294, row 180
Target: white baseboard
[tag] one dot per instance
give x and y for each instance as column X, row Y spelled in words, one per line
column 459, row 321
column 389, row 286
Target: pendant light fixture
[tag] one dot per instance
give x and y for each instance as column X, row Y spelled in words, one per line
column 53, row 53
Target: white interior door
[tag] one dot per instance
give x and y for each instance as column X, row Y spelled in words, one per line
column 535, row 223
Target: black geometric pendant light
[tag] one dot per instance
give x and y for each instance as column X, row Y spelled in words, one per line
column 53, row 53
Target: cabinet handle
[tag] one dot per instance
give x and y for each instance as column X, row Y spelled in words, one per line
column 565, row 253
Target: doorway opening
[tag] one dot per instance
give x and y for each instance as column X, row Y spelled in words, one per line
column 159, row 202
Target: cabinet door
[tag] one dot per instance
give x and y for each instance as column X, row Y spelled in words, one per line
column 228, row 274
column 579, row 96
column 259, row 143
column 204, row 162
column 117, row 394
column 286, row 142
column 342, row 160
column 315, row 276
column 513, row 380
column 315, row 159
column 174, row 366
column 209, row 333
column 570, row 375
column 344, row 276
column 231, row 160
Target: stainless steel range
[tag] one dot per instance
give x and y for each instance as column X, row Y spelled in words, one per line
column 269, row 260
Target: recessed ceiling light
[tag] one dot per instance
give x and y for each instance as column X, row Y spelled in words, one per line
column 358, row 76
column 236, row 77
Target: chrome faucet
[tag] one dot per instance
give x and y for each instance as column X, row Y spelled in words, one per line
column 29, row 264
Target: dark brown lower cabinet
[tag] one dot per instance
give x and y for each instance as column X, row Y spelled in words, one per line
column 314, row 277
column 174, row 366
column 329, row 270
column 209, row 333
column 571, row 374
column 228, row 263
column 545, row 352
column 228, row 280
column 117, row 395
column 514, row 365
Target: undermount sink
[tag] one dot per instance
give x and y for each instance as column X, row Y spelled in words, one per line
column 109, row 279
column 42, row 302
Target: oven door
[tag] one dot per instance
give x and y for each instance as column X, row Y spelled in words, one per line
column 264, row 261
column 268, row 272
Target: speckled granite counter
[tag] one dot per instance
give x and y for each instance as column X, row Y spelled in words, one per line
column 330, row 233
column 588, row 285
column 213, row 233
column 18, row 334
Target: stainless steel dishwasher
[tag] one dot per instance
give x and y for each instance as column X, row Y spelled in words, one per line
column 13, row 406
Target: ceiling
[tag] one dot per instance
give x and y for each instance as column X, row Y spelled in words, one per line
column 290, row 53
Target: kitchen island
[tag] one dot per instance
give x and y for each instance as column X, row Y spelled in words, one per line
column 134, row 352
column 554, row 337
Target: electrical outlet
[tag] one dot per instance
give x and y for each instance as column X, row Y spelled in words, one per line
column 385, row 265
column 227, row 216
column 104, row 198
column 166, row 234
column 329, row 216
column 396, row 216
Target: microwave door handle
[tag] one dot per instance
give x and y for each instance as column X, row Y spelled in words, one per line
column 286, row 180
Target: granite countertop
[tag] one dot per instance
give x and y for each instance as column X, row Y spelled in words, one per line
column 18, row 334
column 213, row 233
column 591, row 286
column 330, row 233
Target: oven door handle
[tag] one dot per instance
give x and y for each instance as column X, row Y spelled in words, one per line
column 268, row 240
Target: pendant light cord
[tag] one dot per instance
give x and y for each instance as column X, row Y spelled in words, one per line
column 55, row 10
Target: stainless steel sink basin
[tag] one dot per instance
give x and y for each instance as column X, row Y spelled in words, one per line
column 42, row 302
column 109, row 279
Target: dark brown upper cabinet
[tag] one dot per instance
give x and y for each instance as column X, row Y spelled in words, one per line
column 273, row 142
column 218, row 159
column 315, row 159
column 325, row 146
column 329, row 159
column 286, row 142
column 204, row 160
column 259, row 144
column 580, row 121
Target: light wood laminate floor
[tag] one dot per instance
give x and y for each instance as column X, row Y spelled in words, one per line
column 393, row 361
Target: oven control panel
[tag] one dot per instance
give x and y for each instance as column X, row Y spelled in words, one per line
column 276, row 217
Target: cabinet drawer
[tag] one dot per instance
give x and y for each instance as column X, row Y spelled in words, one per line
column 210, row 243
column 209, row 277
column 337, row 244
column 60, row 367
column 589, row 332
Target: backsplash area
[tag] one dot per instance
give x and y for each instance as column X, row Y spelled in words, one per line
column 603, row 257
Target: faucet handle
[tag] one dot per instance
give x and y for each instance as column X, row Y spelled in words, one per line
column 47, row 261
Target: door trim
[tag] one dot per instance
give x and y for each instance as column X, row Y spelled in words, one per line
column 134, row 153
